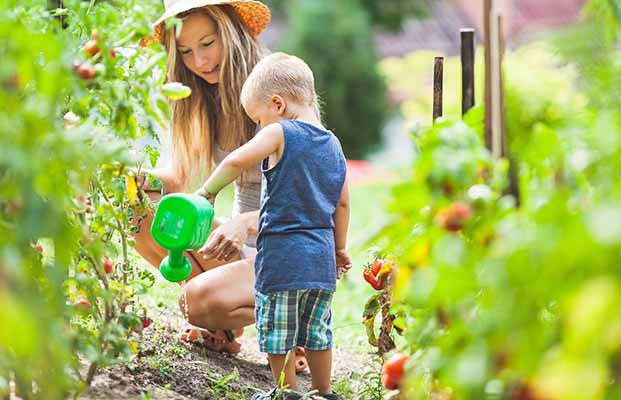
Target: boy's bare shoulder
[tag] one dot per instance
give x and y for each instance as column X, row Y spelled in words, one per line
column 272, row 130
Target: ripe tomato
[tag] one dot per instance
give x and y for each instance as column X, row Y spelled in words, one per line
column 394, row 367
column 82, row 302
column 377, row 265
column 85, row 71
column 454, row 217
column 91, row 48
column 145, row 321
column 389, row 383
column 108, row 266
column 377, row 272
column 371, row 278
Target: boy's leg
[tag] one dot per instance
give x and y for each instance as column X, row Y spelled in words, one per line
column 276, row 316
column 320, row 364
column 277, row 364
column 315, row 335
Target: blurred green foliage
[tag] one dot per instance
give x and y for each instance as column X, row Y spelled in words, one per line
column 68, row 201
column 519, row 303
column 334, row 39
column 386, row 14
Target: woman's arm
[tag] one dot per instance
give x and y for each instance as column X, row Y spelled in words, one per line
column 168, row 177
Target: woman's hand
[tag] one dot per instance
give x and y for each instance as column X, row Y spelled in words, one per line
column 343, row 263
column 225, row 241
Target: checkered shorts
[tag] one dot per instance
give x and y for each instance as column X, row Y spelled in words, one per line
column 294, row 318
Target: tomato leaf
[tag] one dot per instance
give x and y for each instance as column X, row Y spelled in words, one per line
column 176, row 91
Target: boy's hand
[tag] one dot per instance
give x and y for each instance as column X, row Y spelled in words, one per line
column 343, row 263
column 211, row 197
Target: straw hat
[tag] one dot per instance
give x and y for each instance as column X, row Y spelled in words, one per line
column 254, row 14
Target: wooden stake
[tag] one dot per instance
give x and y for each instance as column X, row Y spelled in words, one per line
column 514, row 185
column 501, row 82
column 496, row 88
column 438, row 79
column 487, row 12
column 467, row 70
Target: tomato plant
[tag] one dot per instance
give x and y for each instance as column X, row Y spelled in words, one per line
column 501, row 301
column 68, row 286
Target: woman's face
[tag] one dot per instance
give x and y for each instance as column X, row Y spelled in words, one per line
column 200, row 47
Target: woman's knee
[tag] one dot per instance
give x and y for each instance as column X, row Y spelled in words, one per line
column 199, row 305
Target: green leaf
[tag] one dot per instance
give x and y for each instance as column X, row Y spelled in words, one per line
column 176, row 91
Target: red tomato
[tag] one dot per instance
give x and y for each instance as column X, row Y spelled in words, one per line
column 112, row 53
column 82, row 302
column 91, row 48
column 394, row 367
column 145, row 321
column 85, row 71
column 108, row 266
column 389, row 383
column 455, row 216
column 371, row 278
column 377, row 265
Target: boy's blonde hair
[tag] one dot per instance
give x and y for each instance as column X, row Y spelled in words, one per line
column 284, row 75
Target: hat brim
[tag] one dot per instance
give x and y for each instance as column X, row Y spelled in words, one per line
column 254, row 15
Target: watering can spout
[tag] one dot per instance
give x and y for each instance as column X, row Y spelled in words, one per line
column 182, row 222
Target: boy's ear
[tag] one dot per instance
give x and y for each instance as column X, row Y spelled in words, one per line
column 280, row 103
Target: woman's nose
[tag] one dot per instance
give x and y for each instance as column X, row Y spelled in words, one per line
column 200, row 58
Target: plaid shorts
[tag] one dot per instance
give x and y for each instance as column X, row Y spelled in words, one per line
column 294, row 318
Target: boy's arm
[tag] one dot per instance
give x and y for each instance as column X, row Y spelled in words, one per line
column 341, row 219
column 341, row 225
column 264, row 143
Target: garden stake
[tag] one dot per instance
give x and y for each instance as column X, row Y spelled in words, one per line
column 467, row 69
column 182, row 222
column 514, row 188
column 501, row 82
column 487, row 37
column 438, row 75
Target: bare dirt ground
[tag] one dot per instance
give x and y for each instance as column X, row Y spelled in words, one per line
column 169, row 369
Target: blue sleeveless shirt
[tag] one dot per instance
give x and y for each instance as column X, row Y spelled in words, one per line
column 299, row 197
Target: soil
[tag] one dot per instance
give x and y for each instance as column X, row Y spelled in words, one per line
column 167, row 368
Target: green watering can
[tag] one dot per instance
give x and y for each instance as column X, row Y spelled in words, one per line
column 182, row 222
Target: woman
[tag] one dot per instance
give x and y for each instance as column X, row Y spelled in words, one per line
column 213, row 54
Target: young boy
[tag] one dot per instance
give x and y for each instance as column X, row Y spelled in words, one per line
column 303, row 219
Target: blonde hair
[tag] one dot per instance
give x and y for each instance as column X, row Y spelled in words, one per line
column 281, row 74
column 211, row 109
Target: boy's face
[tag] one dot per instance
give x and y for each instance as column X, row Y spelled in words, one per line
column 265, row 113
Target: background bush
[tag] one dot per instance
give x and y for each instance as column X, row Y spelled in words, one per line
column 334, row 38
